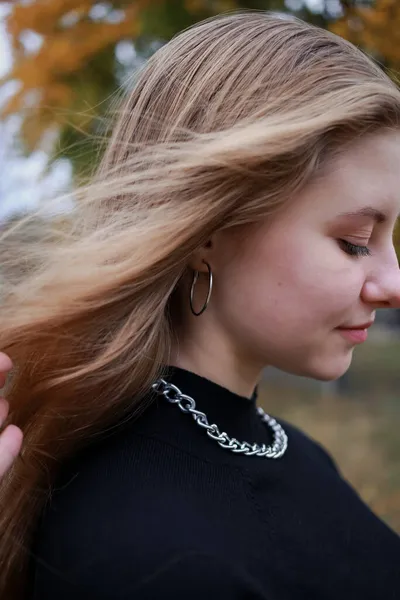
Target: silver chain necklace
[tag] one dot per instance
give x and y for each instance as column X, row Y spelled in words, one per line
column 188, row 405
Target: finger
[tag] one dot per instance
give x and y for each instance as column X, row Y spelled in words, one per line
column 5, row 366
column 5, row 363
column 10, row 446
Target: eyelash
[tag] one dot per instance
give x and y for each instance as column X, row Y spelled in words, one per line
column 355, row 250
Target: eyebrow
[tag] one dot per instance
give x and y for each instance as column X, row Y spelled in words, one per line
column 367, row 211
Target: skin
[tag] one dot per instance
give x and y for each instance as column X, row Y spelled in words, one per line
column 282, row 287
column 11, row 437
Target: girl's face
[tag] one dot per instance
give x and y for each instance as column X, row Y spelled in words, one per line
column 281, row 289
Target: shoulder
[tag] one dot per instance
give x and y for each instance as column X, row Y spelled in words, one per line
column 131, row 512
column 196, row 575
column 180, row 575
column 309, row 447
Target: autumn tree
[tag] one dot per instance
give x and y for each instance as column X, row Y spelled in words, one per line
column 71, row 58
column 376, row 29
column 64, row 81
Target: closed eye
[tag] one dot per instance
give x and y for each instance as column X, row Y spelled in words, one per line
column 354, row 249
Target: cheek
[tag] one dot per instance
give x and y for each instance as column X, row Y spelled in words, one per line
column 278, row 288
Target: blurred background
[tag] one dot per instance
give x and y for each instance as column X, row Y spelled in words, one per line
column 64, row 63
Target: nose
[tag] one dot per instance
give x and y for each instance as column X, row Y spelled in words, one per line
column 383, row 289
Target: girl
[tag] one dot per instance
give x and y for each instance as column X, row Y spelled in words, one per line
column 242, row 216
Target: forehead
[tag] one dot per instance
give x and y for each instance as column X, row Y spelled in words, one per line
column 371, row 155
column 365, row 174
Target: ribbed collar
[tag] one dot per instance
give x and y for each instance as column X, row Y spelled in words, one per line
column 230, row 411
column 206, row 387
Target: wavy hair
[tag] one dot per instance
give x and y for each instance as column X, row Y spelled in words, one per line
column 223, row 126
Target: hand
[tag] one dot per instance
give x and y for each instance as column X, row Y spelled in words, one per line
column 11, row 437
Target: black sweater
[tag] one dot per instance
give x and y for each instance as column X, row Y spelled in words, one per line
column 160, row 510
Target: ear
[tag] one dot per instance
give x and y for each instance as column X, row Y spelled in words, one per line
column 204, row 253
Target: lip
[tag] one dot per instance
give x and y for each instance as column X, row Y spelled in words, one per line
column 356, row 334
column 357, row 327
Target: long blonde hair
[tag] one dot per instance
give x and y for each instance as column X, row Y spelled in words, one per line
column 224, row 124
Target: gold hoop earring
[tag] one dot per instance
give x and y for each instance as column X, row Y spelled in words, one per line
column 210, row 284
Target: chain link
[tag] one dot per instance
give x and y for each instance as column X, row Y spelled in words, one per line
column 187, row 405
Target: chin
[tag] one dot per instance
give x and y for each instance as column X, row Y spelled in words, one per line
column 322, row 368
column 332, row 370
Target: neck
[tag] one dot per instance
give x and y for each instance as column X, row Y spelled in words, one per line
column 232, row 375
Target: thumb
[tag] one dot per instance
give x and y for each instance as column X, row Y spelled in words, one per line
column 10, row 446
